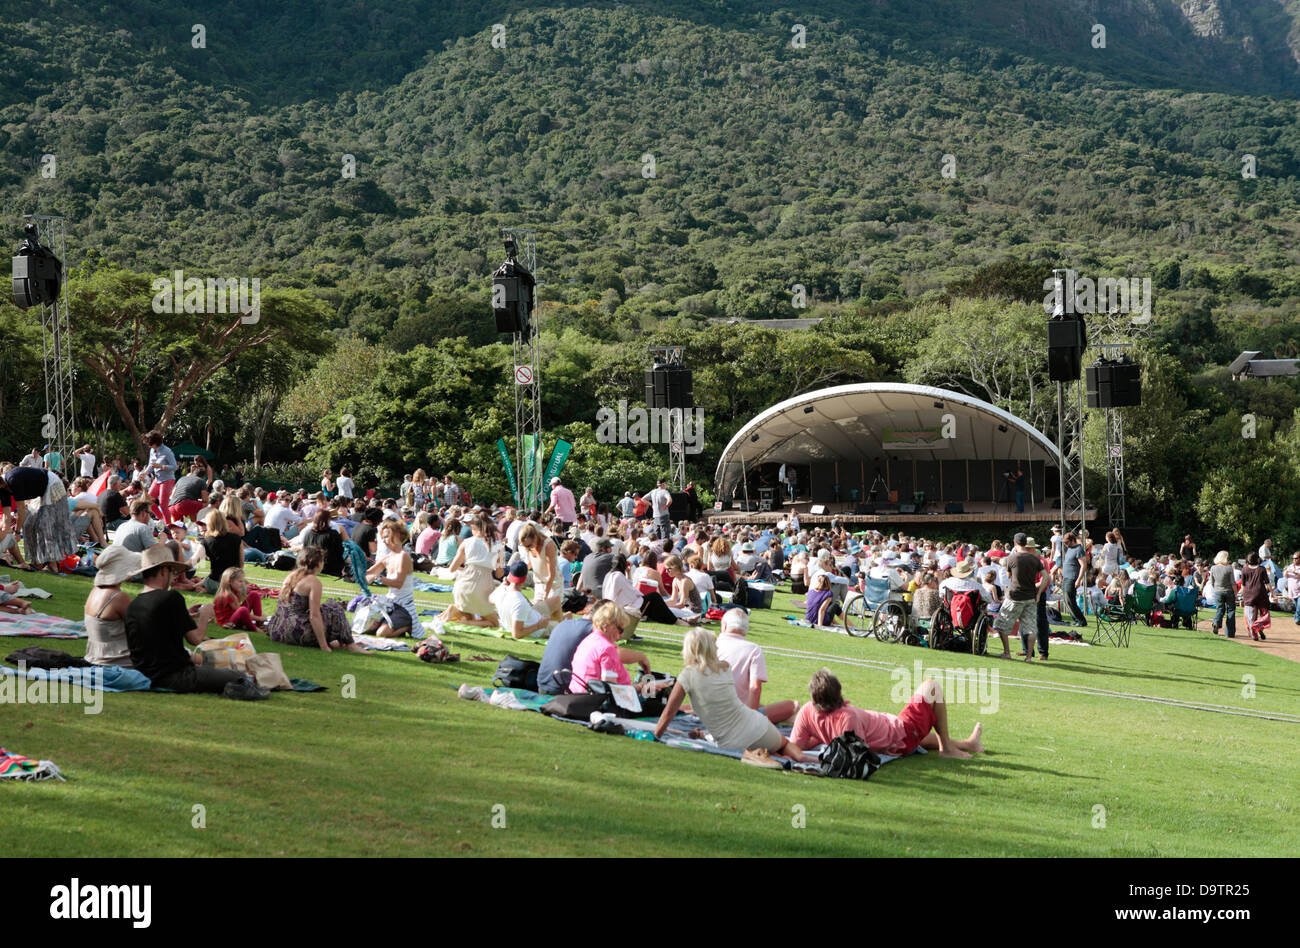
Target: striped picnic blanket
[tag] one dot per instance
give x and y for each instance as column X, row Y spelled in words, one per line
column 38, row 625
column 18, row 767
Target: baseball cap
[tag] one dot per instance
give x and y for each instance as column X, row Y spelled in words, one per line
column 1019, row 539
column 518, row 573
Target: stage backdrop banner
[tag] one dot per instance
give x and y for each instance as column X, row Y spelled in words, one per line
column 556, row 463
column 510, row 470
column 903, row 439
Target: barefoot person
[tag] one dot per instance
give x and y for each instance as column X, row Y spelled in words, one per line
column 923, row 722
column 475, row 579
column 301, row 618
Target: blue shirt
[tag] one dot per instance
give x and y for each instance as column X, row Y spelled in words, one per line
column 166, row 461
column 1070, row 562
column 557, row 661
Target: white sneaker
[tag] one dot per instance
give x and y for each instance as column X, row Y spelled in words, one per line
column 505, row 699
column 472, row 693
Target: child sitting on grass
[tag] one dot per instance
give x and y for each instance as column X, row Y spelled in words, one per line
column 235, row 606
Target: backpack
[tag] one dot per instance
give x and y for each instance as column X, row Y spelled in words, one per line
column 282, row 560
column 514, row 672
column 962, row 608
column 849, row 756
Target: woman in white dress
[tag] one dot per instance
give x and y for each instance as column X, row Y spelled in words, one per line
column 473, row 567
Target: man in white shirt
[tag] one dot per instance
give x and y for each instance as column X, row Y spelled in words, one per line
column 281, row 517
column 516, row 613
column 627, row 506
column 660, row 501
column 87, row 461
column 748, row 666
column 960, row 581
column 345, row 484
column 32, row 460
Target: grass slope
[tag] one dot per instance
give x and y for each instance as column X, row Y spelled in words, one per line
column 406, row 768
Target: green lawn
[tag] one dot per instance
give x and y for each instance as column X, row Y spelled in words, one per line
column 406, row 768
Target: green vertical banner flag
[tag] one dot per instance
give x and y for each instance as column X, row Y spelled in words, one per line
column 556, row 463
column 510, row 469
column 530, row 465
column 539, row 492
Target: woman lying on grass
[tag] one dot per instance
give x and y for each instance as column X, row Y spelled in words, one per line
column 715, row 702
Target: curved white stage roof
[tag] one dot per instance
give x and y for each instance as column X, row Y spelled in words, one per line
column 871, row 421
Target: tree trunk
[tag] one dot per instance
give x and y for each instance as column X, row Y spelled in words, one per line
column 259, row 436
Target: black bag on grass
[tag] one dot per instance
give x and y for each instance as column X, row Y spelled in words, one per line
column 514, row 672
column 578, row 707
column 849, row 756
column 282, row 560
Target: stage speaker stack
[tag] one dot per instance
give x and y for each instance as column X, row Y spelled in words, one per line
column 512, row 294
column 1065, row 345
column 669, row 386
column 1114, row 384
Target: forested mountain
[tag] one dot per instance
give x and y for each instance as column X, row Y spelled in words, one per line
column 679, row 160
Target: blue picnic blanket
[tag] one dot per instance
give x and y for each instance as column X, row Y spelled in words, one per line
column 96, row 678
column 428, row 587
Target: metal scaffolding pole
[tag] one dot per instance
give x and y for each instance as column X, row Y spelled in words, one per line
column 528, row 381
column 59, row 422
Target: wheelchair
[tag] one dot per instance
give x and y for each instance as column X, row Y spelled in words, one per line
column 972, row 638
column 875, row 609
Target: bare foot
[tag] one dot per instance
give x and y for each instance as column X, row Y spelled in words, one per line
column 951, row 751
column 974, row 739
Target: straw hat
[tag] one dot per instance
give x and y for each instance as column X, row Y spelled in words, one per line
column 963, row 569
column 157, row 555
column 116, row 566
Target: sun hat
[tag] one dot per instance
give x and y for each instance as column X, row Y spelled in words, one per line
column 747, row 547
column 158, row 555
column 116, row 566
column 963, row 569
column 1029, row 543
column 518, row 573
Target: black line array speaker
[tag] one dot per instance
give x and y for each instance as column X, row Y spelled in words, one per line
column 1065, row 344
column 1114, row 384
column 669, row 386
column 36, row 280
column 512, row 297
column 954, row 508
column 907, row 508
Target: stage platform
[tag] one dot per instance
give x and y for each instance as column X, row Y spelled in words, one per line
column 887, row 518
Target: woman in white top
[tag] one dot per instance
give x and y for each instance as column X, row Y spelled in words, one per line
column 1110, row 555
column 398, row 604
column 720, row 560
column 544, row 561
column 618, row 588
column 472, row 589
column 715, row 702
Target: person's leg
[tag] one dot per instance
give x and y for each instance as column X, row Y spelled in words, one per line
column 655, row 609
column 938, row 738
column 253, row 555
column 165, row 499
column 1071, row 596
column 780, row 711
column 214, row 680
column 242, row 618
column 1003, row 623
column 254, row 603
column 1044, row 627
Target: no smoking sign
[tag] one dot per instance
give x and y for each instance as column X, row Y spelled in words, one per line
column 523, row 375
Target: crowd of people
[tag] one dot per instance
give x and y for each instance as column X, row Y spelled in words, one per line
column 575, row 570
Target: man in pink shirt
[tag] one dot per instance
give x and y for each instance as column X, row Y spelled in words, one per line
column 562, row 502
column 748, row 666
column 923, row 722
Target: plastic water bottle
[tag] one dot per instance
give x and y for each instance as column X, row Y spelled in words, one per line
column 641, row 734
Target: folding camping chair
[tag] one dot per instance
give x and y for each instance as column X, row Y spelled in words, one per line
column 1143, row 602
column 1114, row 623
column 1185, row 607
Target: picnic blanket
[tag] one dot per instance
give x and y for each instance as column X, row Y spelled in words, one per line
column 424, row 586
column 302, row 684
column 95, row 678
column 678, row 733
column 379, row 644
column 17, row 767
column 38, row 625
column 441, row 628
column 31, row 592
